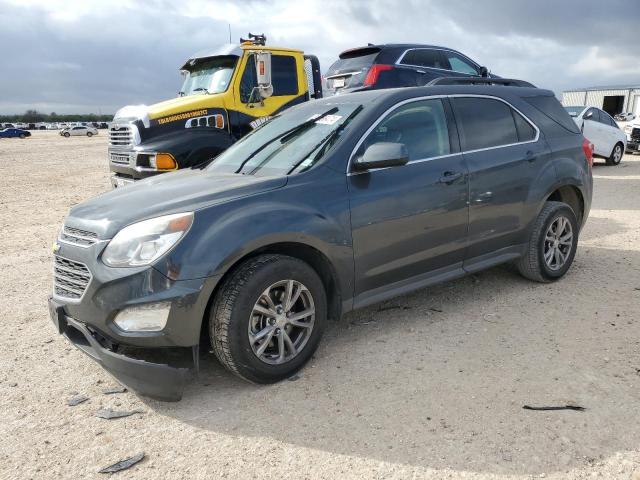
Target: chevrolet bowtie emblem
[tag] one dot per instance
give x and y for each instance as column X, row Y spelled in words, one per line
column 56, row 247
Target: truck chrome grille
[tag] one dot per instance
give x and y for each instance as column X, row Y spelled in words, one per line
column 119, row 158
column 635, row 134
column 120, row 136
column 70, row 278
column 77, row 236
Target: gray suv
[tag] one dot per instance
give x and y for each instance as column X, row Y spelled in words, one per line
column 331, row 206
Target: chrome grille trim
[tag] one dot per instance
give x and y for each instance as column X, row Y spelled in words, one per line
column 79, row 237
column 70, row 278
column 119, row 158
column 123, row 135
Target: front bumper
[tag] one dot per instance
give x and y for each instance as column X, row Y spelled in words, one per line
column 632, row 146
column 160, row 381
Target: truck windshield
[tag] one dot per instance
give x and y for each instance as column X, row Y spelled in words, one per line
column 212, row 75
column 289, row 143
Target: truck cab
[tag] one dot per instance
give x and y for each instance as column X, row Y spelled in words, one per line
column 226, row 93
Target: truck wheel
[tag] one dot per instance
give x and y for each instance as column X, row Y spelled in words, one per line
column 89, row 134
column 616, row 155
column 552, row 244
column 268, row 318
column 22, row 135
column 67, row 134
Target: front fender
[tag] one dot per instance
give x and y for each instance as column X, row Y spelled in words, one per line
column 299, row 213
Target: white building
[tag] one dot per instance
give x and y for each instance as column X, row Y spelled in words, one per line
column 613, row 100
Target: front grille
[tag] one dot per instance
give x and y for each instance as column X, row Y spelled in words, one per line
column 635, row 134
column 119, row 158
column 70, row 278
column 77, row 236
column 120, row 135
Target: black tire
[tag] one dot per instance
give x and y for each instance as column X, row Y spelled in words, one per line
column 67, row 134
column 616, row 154
column 89, row 134
column 232, row 308
column 532, row 264
column 22, row 135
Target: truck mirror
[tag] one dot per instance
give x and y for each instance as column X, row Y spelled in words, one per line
column 263, row 74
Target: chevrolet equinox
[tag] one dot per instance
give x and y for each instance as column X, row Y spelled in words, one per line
column 331, row 206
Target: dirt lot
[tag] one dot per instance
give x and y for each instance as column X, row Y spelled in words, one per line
column 429, row 385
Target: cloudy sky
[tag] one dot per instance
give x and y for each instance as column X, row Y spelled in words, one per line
column 73, row 56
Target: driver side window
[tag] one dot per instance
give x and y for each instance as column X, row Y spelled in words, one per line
column 421, row 126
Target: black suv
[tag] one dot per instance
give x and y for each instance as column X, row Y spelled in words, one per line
column 397, row 65
column 330, row 206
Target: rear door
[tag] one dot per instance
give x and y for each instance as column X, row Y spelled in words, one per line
column 409, row 222
column 502, row 151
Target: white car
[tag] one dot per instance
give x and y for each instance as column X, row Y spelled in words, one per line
column 624, row 117
column 600, row 128
column 85, row 131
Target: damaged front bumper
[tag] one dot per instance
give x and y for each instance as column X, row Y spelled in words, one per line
column 164, row 379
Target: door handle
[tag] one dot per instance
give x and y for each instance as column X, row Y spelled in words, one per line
column 449, row 177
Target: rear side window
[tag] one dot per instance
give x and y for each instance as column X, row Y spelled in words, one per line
column 485, row 123
column 525, row 130
column 425, row 58
column 551, row 107
column 421, row 126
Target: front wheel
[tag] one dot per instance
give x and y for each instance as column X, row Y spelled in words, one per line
column 616, row 155
column 67, row 134
column 268, row 318
column 89, row 134
column 22, row 135
column 552, row 244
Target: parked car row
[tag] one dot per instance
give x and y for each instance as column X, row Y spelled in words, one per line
column 54, row 125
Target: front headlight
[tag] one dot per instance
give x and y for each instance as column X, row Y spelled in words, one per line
column 144, row 242
column 628, row 128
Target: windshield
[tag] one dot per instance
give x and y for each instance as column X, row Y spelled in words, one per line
column 574, row 111
column 211, row 75
column 289, row 143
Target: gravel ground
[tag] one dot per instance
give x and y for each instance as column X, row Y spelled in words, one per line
column 429, row 385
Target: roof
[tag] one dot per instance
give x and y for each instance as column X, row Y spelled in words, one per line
column 605, row 87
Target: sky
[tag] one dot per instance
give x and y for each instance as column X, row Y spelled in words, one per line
column 95, row 56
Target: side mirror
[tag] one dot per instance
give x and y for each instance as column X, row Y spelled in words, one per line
column 484, row 72
column 588, row 116
column 263, row 74
column 382, row 155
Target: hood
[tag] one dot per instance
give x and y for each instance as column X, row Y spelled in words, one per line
column 181, row 191
column 182, row 104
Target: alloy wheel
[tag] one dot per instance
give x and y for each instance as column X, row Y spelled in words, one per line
column 617, row 154
column 558, row 242
column 281, row 322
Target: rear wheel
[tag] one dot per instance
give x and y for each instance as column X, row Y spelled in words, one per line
column 268, row 318
column 616, row 155
column 89, row 134
column 67, row 134
column 552, row 244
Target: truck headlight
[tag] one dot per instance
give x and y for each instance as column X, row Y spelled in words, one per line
column 144, row 242
column 628, row 128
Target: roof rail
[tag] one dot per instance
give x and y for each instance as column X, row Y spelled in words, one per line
column 507, row 82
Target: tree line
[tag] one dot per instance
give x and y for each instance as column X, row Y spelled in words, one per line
column 33, row 116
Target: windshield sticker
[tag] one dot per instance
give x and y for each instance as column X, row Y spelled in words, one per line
column 328, row 119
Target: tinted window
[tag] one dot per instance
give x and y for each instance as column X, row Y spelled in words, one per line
column 424, row 58
column 525, row 130
column 459, row 63
column 351, row 70
column 284, row 75
column 420, row 125
column 551, row 107
column 484, row 123
column 606, row 119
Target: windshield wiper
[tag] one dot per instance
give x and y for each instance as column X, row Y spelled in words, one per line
column 288, row 134
column 326, row 141
column 200, row 89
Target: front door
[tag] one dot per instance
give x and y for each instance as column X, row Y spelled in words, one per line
column 409, row 222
